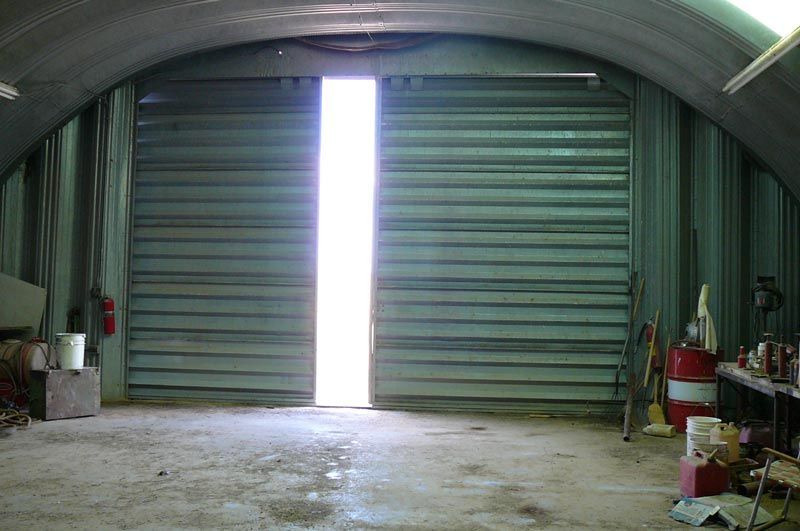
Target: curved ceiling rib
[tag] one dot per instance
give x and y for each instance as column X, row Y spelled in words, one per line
column 62, row 53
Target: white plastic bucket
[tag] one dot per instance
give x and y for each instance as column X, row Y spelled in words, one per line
column 701, row 425
column 69, row 350
column 695, row 442
column 702, row 421
column 698, row 433
column 721, row 448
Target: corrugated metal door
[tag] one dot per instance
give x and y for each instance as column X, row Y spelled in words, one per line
column 503, row 263
column 224, row 241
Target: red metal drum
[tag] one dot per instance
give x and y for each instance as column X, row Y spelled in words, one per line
column 692, row 384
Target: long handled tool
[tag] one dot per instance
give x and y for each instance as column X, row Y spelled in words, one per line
column 664, row 376
column 631, row 323
column 654, row 412
column 626, row 427
column 651, row 352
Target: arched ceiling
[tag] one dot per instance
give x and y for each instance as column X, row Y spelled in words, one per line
column 62, row 53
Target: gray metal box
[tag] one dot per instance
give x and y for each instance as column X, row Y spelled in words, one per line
column 65, row 394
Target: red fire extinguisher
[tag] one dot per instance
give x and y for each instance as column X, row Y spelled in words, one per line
column 109, row 321
column 655, row 362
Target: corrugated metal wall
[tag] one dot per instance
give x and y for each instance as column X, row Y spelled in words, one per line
column 719, row 242
column 660, row 215
column 224, row 241
column 503, row 264
column 54, row 196
column 53, row 217
column 704, row 214
column 111, row 271
column 775, row 240
column 53, row 229
column 13, row 221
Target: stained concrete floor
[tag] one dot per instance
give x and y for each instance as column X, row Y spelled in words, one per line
column 189, row 467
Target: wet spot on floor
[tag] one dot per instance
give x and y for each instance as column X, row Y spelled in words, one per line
column 472, row 469
column 531, row 510
column 304, row 512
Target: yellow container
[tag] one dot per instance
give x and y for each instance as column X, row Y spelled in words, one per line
column 728, row 434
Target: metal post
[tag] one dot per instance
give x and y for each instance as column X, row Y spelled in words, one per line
column 626, row 429
column 757, row 501
column 785, row 511
column 786, row 418
column 764, row 61
column 740, row 399
column 775, row 421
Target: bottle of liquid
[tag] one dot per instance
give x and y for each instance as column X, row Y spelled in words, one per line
column 765, row 354
column 728, row 434
column 742, row 359
column 752, row 359
column 797, row 372
column 782, row 361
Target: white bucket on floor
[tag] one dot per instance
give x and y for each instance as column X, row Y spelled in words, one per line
column 702, row 421
column 701, row 425
column 708, row 448
column 695, row 442
column 69, row 350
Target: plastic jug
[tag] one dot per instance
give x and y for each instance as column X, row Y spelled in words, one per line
column 729, row 434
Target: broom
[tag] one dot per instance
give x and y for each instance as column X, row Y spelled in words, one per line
column 654, row 412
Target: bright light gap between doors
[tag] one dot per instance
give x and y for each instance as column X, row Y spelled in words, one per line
column 344, row 267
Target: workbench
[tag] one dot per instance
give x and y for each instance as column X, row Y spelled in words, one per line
column 780, row 393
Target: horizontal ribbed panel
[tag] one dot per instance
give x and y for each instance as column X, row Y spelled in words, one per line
column 503, row 253
column 224, row 242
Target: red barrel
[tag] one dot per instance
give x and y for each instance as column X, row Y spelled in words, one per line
column 692, row 384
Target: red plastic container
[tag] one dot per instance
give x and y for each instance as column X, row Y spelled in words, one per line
column 701, row 477
column 692, row 384
column 741, row 361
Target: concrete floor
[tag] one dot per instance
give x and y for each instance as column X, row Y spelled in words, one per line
column 297, row 468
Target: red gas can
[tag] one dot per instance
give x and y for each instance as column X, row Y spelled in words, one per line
column 703, row 477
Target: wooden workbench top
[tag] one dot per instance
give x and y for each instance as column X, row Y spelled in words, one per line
column 749, row 378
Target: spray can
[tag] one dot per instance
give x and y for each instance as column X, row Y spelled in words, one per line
column 797, row 372
column 741, row 361
column 782, row 361
column 765, row 353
